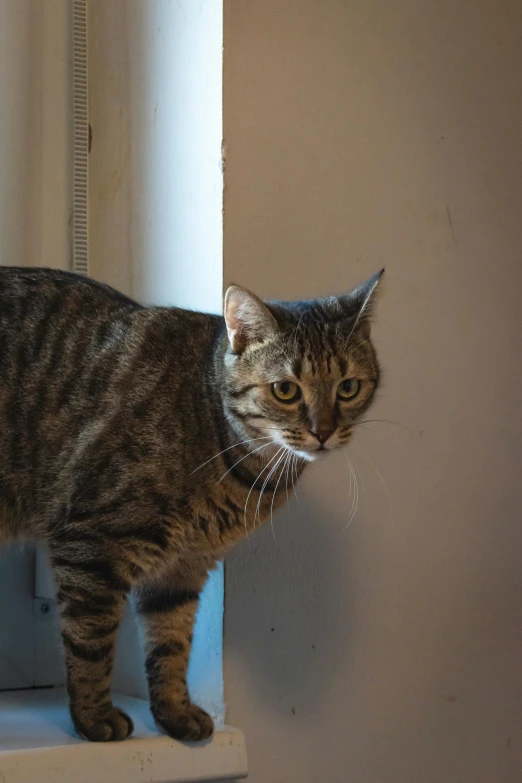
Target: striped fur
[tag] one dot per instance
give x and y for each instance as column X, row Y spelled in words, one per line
column 139, row 444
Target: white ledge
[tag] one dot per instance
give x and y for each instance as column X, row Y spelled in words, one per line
column 37, row 743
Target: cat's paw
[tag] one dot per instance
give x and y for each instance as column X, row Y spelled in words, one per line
column 184, row 722
column 108, row 724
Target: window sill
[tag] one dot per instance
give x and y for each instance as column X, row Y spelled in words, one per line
column 37, row 744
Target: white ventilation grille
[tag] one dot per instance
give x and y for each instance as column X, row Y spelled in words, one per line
column 81, row 140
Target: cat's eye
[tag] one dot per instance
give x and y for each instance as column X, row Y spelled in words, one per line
column 286, row 391
column 348, row 389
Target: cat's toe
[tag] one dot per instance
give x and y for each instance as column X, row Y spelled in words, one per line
column 106, row 725
column 185, row 722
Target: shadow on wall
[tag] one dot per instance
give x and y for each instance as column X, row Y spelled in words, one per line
column 396, row 637
column 298, row 589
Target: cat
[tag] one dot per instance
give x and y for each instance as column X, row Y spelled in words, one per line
column 140, row 443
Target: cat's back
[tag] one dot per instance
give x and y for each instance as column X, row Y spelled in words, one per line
column 45, row 313
column 26, row 291
column 91, row 384
column 60, row 336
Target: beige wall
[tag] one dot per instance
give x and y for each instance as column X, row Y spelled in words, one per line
column 362, row 134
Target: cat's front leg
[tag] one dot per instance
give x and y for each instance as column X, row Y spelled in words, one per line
column 91, row 594
column 169, row 613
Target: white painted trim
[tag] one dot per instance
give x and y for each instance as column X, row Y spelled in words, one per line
column 155, row 208
column 37, row 745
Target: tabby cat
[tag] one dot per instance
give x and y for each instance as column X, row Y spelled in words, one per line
column 140, row 443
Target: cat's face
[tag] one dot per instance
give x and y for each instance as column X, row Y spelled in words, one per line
column 300, row 373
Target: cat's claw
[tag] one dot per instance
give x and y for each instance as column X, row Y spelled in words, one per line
column 110, row 725
column 184, row 722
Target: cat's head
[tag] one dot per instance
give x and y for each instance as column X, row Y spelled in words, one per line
column 300, row 372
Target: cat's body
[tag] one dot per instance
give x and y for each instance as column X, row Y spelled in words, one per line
column 110, row 405
column 139, row 444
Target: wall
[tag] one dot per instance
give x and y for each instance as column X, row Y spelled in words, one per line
column 20, row 146
column 35, row 206
column 19, row 206
column 155, row 200
column 155, row 224
column 156, row 176
column 361, row 134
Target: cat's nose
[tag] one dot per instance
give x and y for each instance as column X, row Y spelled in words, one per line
column 322, row 435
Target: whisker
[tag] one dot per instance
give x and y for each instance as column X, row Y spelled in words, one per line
column 248, row 497
column 295, row 476
column 296, row 330
column 285, row 457
column 379, row 475
column 250, row 440
column 356, row 499
column 356, row 490
column 248, row 454
column 288, row 458
column 352, row 479
column 350, row 476
column 359, row 314
column 285, row 354
column 352, row 484
column 265, row 482
column 358, row 472
column 293, row 486
column 252, row 487
column 257, row 513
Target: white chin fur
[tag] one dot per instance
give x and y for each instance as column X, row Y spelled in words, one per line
column 310, row 456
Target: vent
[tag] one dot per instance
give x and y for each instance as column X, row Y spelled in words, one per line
column 81, row 140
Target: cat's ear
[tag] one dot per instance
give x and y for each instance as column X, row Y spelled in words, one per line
column 361, row 301
column 247, row 318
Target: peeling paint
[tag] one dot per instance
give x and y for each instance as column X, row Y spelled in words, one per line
column 223, row 161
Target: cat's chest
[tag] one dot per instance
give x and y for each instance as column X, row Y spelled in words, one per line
column 229, row 511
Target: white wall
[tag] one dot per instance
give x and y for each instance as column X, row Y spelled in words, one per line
column 155, row 199
column 156, row 178
column 358, row 135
